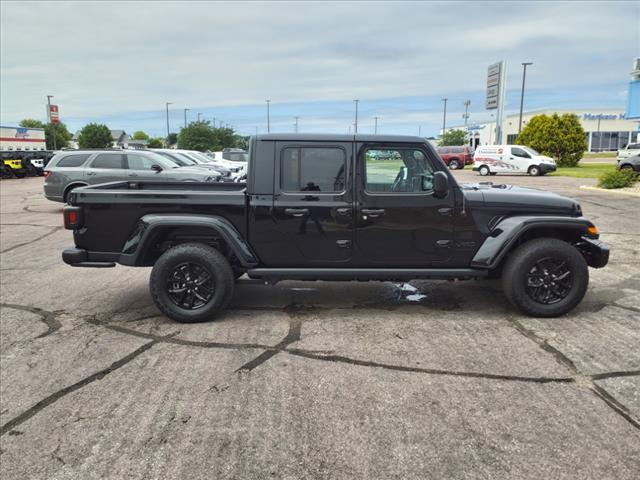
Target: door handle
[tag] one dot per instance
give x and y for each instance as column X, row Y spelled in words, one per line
column 133, row 175
column 296, row 212
column 343, row 211
column 373, row 212
column 91, row 173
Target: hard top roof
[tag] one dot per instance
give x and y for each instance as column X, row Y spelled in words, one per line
column 329, row 137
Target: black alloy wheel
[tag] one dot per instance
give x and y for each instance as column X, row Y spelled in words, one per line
column 190, row 286
column 549, row 281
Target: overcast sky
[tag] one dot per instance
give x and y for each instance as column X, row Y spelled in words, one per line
column 119, row 62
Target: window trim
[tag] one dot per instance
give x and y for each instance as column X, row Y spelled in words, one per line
column 313, row 193
column 123, row 161
column 387, row 147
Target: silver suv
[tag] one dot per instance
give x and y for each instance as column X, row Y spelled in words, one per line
column 77, row 168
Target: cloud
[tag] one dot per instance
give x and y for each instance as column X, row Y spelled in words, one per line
column 118, row 59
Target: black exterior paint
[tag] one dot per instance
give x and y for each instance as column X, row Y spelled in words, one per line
column 360, row 233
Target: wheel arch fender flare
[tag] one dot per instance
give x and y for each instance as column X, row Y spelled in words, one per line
column 508, row 231
column 139, row 241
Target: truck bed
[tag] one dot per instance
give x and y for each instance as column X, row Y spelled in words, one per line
column 112, row 209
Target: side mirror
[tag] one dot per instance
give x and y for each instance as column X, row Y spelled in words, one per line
column 440, row 184
column 157, row 168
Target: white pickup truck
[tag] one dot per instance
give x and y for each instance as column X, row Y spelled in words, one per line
column 629, row 150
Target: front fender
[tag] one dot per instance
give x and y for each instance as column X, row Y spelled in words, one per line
column 505, row 234
column 148, row 225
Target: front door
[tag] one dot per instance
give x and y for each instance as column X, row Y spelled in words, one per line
column 312, row 203
column 139, row 168
column 399, row 221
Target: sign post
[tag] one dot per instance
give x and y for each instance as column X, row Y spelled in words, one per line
column 496, row 79
column 53, row 118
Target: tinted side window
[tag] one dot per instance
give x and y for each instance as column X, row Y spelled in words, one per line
column 108, row 160
column 457, row 150
column 518, row 152
column 72, row 160
column 313, row 169
column 444, row 150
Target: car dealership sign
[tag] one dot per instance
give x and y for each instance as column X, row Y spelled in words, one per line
column 494, row 85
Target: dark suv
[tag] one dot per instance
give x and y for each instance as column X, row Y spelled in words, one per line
column 456, row 157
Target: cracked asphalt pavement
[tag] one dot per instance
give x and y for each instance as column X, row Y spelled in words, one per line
column 310, row 379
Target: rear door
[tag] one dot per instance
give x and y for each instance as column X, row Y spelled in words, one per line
column 313, row 203
column 399, row 221
column 105, row 167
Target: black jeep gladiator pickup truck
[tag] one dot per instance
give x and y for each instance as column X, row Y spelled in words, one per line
column 336, row 207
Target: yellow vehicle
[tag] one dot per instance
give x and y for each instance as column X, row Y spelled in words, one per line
column 13, row 167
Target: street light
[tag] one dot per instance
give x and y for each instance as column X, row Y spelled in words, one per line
column 444, row 116
column 268, row 117
column 355, row 125
column 167, row 106
column 53, row 125
column 375, row 129
column 185, row 117
column 466, row 111
column 524, row 76
column 296, row 124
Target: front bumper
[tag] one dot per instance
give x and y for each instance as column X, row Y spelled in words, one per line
column 79, row 257
column 595, row 252
column 547, row 167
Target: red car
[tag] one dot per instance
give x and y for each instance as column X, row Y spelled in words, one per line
column 456, row 157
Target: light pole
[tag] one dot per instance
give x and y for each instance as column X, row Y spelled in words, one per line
column 375, row 129
column 268, row 117
column 491, row 130
column 444, row 115
column 296, row 124
column 53, row 125
column 355, row 125
column 466, row 111
column 524, row 76
column 167, row 106
column 419, row 130
column 214, row 122
column 185, row 117
column 199, row 113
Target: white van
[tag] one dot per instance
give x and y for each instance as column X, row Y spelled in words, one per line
column 493, row 159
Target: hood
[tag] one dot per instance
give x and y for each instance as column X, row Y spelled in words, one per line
column 509, row 198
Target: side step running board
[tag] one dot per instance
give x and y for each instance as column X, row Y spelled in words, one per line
column 277, row 274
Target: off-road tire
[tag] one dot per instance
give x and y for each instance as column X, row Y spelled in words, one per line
column 454, row 165
column 534, row 170
column 193, row 253
column 522, row 261
column 484, row 170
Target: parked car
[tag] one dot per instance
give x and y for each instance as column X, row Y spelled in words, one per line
column 629, row 150
column 235, row 159
column 71, row 169
column 183, row 159
column 631, row 163
column 305, row 214
column 494, row 159
column 456, row 157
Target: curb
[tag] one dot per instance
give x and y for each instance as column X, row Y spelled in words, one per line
column 610, row 190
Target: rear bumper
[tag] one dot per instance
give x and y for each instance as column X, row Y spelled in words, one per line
column 79, row 257
column 595, row 252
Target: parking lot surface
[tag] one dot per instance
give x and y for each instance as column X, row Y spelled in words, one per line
column 314, row 380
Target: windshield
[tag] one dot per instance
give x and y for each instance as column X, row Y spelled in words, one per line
column 530, row 150
column 236, row 156
column 199, row 157
column 178, row 159
column 161, row 159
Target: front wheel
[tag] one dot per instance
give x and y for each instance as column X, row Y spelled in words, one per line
column 545, row 277
column 454, row 165
column 534, row 170
column 191, row 283
column 484, row 170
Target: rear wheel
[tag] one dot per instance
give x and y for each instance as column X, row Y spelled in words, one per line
column 534, row 170
column 484, row 170
column 545, row 277
column 191, row 283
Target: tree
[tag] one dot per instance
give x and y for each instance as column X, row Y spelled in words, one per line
column 197, row 136
column 62, row 134
column 172, row 139
column 452, row 137
column 156, row 143
column 140, row 135
column 94, row 135
column 558, row 136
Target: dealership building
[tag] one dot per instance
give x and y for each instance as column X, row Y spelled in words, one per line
column 606, row 129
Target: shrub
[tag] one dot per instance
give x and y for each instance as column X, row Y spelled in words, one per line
column 618, row 179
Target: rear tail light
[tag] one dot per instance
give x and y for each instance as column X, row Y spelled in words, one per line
column 47, row 174
column 73, row 217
